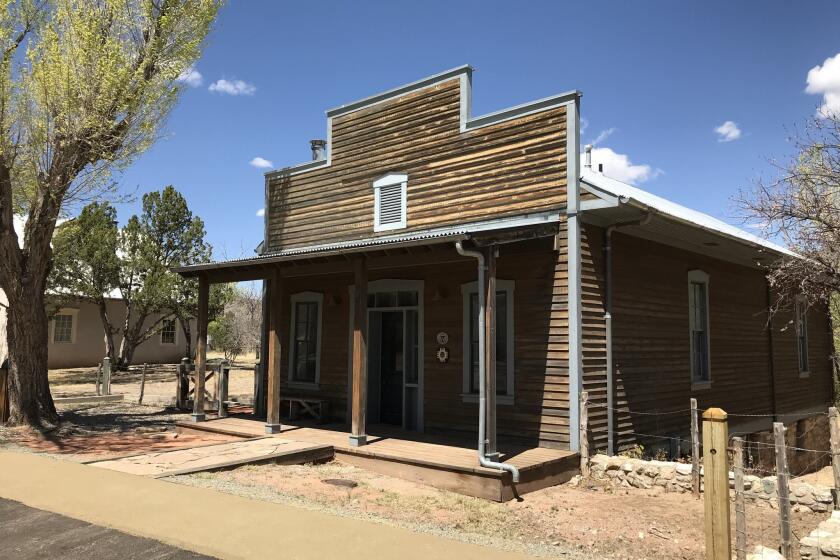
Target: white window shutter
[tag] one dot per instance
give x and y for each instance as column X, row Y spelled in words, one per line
column 390, row 202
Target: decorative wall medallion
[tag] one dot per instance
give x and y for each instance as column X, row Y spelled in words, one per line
column 443, row 354
column 442, row 338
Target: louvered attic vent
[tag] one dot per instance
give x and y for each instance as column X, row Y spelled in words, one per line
column 390, row 202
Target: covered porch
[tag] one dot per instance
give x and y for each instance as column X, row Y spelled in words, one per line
column 386, row 333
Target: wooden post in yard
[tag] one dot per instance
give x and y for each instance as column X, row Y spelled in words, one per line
column 491, row 449
column 740, row 508
column 584, row 433
column 834, row 427
column 222, row 394
column 106, row 376
column 201, row 348
column 358, row 435
column 782, row 488
column 142, row 385
column 183, row 395
column 275, row 302
column 695, row 450
column 716, row 485
column 4, row 393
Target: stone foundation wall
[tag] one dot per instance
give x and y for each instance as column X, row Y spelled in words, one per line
column 676, row 477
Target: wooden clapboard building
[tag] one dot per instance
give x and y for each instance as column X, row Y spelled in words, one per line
column 425, row 253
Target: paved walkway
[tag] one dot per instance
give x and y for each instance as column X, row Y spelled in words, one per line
column 210, row 522
column 29, row 534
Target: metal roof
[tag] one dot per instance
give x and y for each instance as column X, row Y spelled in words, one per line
column 434, row 235
column 630, row 194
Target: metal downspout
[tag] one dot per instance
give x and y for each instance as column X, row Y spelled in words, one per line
column 608, row 289
column 482, row 389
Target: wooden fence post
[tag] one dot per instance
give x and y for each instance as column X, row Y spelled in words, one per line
column 182, row 395
column 783, row 488
column 106, row 375
column 834, row 427
column 99, row 379
column 716, row 485
column 584, row 434
column 740, row 509
column 142, row 385
column 222, row 392
column 695, row 450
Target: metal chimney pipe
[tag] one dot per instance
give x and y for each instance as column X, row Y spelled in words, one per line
column 319, row 149
column 588, row 160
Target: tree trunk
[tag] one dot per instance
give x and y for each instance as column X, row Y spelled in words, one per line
column 185, row 326
column 30, row 401
column 109, row 330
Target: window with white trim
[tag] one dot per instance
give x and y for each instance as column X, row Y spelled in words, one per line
column 801, row 311
column 698, row 312
column 64, row 326
column 504, row 340
column 168, row 333
column 305, row 347
column 390, row 202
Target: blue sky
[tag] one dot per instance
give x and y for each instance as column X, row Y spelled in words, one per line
column 658, row 77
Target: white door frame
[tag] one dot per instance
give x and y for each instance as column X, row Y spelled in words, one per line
column 390, row 285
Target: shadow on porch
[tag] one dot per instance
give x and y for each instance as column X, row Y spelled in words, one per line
column 444, row 462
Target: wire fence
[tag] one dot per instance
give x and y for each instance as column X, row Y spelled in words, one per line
column 761, row 463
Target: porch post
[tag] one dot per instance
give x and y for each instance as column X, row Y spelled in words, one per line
column 201, row 348
column 491, row 448
column 275, row 307
column 359, row 397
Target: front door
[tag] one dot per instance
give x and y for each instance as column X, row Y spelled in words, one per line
column 391, row 366
column 394, row 358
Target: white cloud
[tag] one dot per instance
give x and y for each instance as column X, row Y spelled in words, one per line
column 261, row 212
column 619, row 166
column 584, row 124
column 603, row 135
column 728, row 131
column 825, row 80
column 233, row 87
column 191, row 77
column 261, row 163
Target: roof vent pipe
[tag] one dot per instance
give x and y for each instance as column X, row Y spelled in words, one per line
column 319, row 149
column 588, row 160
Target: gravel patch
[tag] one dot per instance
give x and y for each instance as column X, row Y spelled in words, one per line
column 412, row 502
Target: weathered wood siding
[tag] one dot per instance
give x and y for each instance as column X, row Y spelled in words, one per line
column 594, row 333
column 651, row 344
column 539, row 414
column 504, row 169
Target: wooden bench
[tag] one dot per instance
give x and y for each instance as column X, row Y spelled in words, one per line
column 319, row 409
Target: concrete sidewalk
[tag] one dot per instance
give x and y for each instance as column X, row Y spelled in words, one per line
column 210, row 522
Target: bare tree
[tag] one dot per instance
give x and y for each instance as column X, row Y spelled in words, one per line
column 801, row 205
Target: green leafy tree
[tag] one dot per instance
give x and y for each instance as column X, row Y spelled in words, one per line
column 86, row 263
column 84, row 88
column 165, row 235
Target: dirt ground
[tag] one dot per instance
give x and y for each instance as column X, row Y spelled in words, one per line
column 584, row 520
column 627, row 523
column 160, row 381
column 113, row 430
